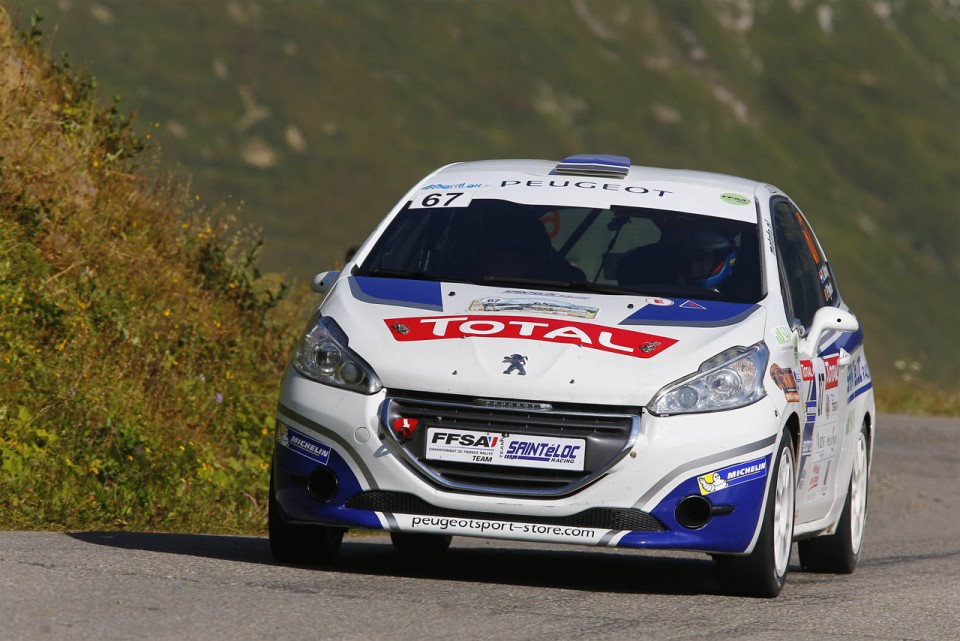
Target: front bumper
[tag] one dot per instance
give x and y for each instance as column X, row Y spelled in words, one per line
column 336, row 464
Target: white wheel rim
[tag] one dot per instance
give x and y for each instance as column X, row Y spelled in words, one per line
column 783, row 513
column 858, row 495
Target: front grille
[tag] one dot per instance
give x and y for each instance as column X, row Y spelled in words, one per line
column 605, row 437
column 603, row 518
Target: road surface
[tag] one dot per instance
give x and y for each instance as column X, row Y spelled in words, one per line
column 129, row 585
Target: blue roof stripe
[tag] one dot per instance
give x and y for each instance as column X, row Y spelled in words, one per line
column 701, row 313
column 419, row 294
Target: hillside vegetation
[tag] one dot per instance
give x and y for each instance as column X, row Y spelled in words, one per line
column 139, row 348
column 319, row 115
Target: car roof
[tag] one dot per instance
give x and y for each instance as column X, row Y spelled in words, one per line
column 539, row 181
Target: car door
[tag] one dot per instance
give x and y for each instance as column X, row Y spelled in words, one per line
column 808, row 285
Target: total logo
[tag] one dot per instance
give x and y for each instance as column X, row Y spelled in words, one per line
column 832, row 371
column 806, row 370
column 607, row 339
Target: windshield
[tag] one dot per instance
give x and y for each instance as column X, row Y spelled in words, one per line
column 628, row 250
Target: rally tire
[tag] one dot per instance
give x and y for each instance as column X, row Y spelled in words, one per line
column 420, row 544
column 839, row 553
column 763, row 572
column 300, row 544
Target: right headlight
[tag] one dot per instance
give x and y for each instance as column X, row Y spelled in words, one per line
column 323, row 356
column 731, row 379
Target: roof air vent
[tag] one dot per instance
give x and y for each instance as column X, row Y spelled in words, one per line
column 594, row 165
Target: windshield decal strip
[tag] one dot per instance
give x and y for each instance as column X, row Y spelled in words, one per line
column 418, row 294
column 689, row 313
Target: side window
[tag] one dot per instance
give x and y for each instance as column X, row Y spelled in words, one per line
column 800, row 260
column 828, row 286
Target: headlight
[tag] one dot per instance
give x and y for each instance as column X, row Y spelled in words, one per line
column 731, row 379
column 323, row 356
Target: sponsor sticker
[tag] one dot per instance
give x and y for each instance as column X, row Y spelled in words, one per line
column 660, row 302
column 735, row 199
column 806, row 370
column 504, row 529
column 302, row 444
column 442, row 199
column 547, row 330
column 495, row 448
column 786, row 381
column 732, row 475
column 535, row 305
column 783, row 337
column 831, row 366
column 559, row 183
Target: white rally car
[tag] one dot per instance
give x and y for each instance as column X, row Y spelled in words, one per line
column 585, row 352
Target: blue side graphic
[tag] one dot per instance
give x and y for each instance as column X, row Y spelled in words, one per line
column 860, row 391
column 419, row 294
column 729, row 533
column 291, row 470
column 848, row 341
column 690, row 313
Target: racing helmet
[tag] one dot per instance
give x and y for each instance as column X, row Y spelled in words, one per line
column 706, row 258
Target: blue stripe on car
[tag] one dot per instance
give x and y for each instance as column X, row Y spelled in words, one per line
column 419, row 294
column 691, row 313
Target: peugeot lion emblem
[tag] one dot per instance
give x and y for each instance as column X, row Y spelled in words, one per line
column 516, row 363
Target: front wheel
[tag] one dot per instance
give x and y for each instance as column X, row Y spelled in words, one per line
column 302, row 544
column 839, row 553
column 763, row 572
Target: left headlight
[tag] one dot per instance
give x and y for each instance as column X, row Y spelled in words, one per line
column 323, row 356
column 731, row 379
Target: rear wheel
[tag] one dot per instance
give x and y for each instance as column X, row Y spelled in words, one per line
column 424, row 544
column 303, row 544
column 839, row 553
column 763, row 572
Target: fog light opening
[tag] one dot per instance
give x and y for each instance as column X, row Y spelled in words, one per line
column 322, row 484
column 693, row 512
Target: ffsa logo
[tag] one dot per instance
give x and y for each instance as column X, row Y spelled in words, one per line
column 465, row 440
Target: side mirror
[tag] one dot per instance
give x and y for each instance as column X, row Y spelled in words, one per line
column 323, row 281
column 827, row 319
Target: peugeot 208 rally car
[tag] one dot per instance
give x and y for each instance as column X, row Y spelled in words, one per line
column 585, row 352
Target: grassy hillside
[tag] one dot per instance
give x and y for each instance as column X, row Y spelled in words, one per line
column 317, row 116
column 139, row 349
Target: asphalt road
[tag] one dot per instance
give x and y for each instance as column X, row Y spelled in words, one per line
column 129, row 585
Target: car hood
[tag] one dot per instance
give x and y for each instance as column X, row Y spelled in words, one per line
column 529, row 344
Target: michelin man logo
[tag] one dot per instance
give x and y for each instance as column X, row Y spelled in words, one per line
column 711, row 482
column 516, row 363
column 282, row 437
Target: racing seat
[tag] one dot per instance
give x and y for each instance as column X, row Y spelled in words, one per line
column 646, row 265
column 517, row 246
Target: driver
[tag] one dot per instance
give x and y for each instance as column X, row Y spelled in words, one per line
column 703, row 258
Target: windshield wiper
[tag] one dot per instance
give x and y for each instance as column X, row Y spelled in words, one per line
column 395, row 273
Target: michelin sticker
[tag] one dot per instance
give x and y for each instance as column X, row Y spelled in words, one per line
column 559, row 308
column 302, row 444
column 733, row 475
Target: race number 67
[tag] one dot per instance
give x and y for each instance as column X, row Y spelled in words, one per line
column 440, row 199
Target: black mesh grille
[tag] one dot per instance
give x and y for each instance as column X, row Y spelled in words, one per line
column 606, row 435
column 603, row 518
